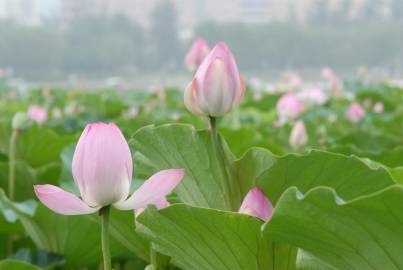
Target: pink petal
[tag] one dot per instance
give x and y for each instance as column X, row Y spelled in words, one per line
column 159, row 204
column 155, row 188
column 62, row 202
column 256, row 204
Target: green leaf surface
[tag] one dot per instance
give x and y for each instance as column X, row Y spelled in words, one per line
column 205, row 183
column 200, row 238
column 365, row 233
column 78, row 237
column 16, row 265
column 348, row 175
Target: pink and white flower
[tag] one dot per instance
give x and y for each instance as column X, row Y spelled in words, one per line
column 355, row 112
column 37, row 114
column 196, row 54
column 102, row 171
column 217, row 86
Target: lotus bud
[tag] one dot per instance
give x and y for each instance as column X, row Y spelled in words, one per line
column 217, row 86
column 289, row 107
column 355, row 112
column 21, row 121
column 196, row 54
column 102, row 171
column 298, row 137
column 37, row 114
column 256, row 204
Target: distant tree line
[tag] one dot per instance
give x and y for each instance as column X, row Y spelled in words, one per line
column 99, row 46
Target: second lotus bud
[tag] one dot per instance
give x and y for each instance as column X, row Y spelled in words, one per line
column 217, row 86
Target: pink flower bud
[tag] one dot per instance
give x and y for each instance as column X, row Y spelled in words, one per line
column 256, row 204
column 102, row 171
column 217, row 86
column 327, row 73
column 37, row 114
column 355, row 112
column 378, row 107
column 289, row 107
column 196, row 54
column 298, row 136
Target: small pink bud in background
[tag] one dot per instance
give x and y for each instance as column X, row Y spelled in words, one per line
column 132, row 112
column 256, row 204
column 298, row 136
column 378, row 107
column 294, row 80
column 102, row 171
column 196, row 54
column 327, row 73
column 217, row 86
column 37, row 114
column 355, row 112
column 289, row 107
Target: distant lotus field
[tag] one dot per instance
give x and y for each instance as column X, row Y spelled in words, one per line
column 225, row 173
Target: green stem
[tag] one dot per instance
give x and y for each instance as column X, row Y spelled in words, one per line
column 11, row 164
column 153, row 258
column 219, row 152
column 11, row 179
column 104, row 213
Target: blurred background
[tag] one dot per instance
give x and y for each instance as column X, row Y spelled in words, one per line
column 138, row 43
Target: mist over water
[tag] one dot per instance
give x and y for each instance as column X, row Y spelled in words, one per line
column 94, row 43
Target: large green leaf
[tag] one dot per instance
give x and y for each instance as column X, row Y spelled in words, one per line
column 365, row 233
column 348, row 175
column 25, row 178
column 205, row 183
column 200, row 238
column 16, row 265
column 78, row 237
column 41, row 146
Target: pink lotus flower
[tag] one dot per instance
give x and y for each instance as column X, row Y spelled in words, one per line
column 289, row 107
column 378, row 107
column 217, row 86
column 298, row 136
column 256, row 204
column 355, row 112
column 102, row 171
column 196, row 54
column 37, row 114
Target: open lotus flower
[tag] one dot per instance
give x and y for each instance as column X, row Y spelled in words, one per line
column 217, row 86
column 196, row 54
column 298, row 135
column 355, row 112
column 37, row 114
column 289, row 107
column 256, row 204
column 102, row 171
